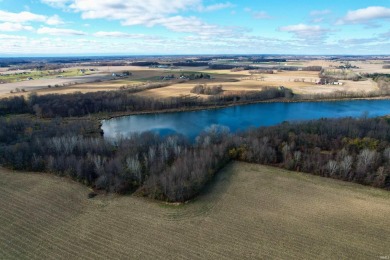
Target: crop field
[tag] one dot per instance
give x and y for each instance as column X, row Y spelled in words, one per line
column 15, row 76
column 249, row 212
column 370, row 67
column 301, row 82
column 69, row 81
column 99, row 80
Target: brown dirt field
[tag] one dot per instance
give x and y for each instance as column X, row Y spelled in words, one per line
column 5, row 71
column 231, row 81
column 348, row 85
column 370, row 67
column 238, row 81
column 36, row 85
column 87, row 83
column 176, row 90
column 86, row 87
column 323, row 63
column 244, row 82
column 251, row 212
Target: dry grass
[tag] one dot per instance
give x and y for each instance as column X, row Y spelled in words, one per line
column 370, row 67
column 301, row 82
column 348, row 85
column 42, row 84
column 84, row 83
column 231, row 81
column 251, row 212
column 239, row 81
column 100, row 80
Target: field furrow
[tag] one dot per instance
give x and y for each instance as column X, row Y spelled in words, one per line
column 250, row 212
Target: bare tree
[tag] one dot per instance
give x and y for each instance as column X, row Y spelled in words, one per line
column 366, row 159
column 346, row 165
column 134, row 167
column 332, row 167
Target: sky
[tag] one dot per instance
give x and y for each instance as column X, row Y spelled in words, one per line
column 151, row 27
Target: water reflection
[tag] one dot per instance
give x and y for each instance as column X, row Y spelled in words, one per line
column 241, row 117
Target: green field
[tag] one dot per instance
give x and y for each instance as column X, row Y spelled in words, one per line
column 37, row 74
column 250, row 212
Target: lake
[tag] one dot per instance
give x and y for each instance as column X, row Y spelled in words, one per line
column 241, row 117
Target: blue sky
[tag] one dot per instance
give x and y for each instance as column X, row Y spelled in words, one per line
column 92, row 27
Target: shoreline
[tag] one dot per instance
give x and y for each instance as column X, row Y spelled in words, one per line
column 102, row 118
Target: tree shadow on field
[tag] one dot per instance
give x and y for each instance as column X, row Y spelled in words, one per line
column 206, row 202
column 217, row 185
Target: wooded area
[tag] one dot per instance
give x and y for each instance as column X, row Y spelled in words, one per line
column 173, row 169
column 36, row 134
column 81, row 104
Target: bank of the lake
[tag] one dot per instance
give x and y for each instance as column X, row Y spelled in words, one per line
column 112, row 115
column 241, row 117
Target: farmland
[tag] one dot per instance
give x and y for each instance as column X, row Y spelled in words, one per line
column 194, row 129
column 100, row 78
column 250, row 211
column 298, row 81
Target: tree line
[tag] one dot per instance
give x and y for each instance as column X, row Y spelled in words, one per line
column 172, row 168
column 206, row 90
column 80, row 104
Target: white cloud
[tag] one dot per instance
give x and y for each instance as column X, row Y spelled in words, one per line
column 196, row 26
column 21, row 17
column 179, row 45
column 359, row 41
column 59, row 32
column 14, row 27
column 215, row 7
column 320, row 12
column 365, row 15
column 305, row 31
column 26, row 17
column 124, row 35
column 57, row 3
column 145, row 12
column 148, row 13
column 11, row 37
column 319, row 16
column 54, row 20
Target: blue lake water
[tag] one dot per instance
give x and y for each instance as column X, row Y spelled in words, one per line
column 241, row 117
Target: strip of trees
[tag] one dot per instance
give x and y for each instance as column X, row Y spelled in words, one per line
column 173, row 169
column 207, row 90
column 81, row 104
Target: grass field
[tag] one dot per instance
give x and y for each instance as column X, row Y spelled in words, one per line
column 251, row 212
